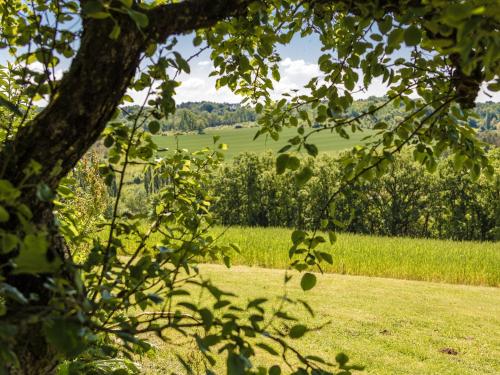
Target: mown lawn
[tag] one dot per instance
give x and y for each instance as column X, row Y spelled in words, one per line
column 390, row 326
column 455, row 262
column 241, row 140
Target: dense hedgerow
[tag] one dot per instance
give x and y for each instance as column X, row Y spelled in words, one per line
column 408, row 201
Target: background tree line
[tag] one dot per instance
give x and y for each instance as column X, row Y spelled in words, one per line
column 196, row 116
column 408, row 201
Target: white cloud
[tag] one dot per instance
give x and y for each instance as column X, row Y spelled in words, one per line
column 195, row 89
column 193, row 84
column 198, row 86
column 204, row 63
column 294, row 75
column 298, row 69
column 485, row 95
column 376, row 88
column 39, row 68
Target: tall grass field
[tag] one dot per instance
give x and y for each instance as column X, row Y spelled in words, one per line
column 241, row 140
column 474, row 263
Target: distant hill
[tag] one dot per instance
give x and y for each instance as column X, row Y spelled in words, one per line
column 196, row 116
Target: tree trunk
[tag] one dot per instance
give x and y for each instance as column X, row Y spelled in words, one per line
column 57, row 138
column 35, row 355
column 60, row 135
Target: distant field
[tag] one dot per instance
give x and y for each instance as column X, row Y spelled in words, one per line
column 392, row 327
column 241, row 140
column 455, row 262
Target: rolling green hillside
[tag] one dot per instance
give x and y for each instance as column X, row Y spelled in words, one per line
column 241, row 140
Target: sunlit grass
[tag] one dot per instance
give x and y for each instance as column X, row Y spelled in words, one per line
column 389, row 326
column 456, row 262
column 241, row 140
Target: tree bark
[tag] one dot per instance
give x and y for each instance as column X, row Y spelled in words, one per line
column 72, row 122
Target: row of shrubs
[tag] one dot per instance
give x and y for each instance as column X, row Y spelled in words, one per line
column 408, row 201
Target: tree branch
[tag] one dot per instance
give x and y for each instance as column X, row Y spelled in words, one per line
column 190, row 15
column 92, row 88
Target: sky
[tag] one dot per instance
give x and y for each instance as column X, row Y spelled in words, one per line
column 297, row 67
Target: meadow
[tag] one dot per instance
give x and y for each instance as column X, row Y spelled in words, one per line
column 241, row 140
column 444, row 261
column 389, row 326
column 475, row 263
column 395, row 305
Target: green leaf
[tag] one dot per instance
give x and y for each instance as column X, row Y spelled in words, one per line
column 139, row 18
column 98, row 15
column 297, row 331
column 308, row 281
column 181, row 63
column 9, row 242
column 332, row 237
column 327, row 257
column 13, row 293
column 298, row 236
column 95, row 9
column 7, row 191
column 385, row 25
column 127, row 3
column 304, row 175
column 311, row 149
column 197, row 40
column 293, row 163
column 108, row 141
column 156, row 299
column 35, row 243
column 6, row 103
column 281, row 163
column 395, row 38
column 65, row 336
column 380, row 125
column 44, row 192
column 412, row 36
column 115, row 33
column 275, row 370
column 276, row 74
column 4, row 215
column 154, row 127
column 8, row 357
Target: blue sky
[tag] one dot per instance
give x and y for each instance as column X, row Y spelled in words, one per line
column 297, row 67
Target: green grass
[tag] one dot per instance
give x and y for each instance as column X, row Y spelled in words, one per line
column 402, row 258
column 240, row 140
column 455, row 262
column 389, row 326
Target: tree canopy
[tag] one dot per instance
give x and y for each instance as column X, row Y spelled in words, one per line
column 58, row 302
